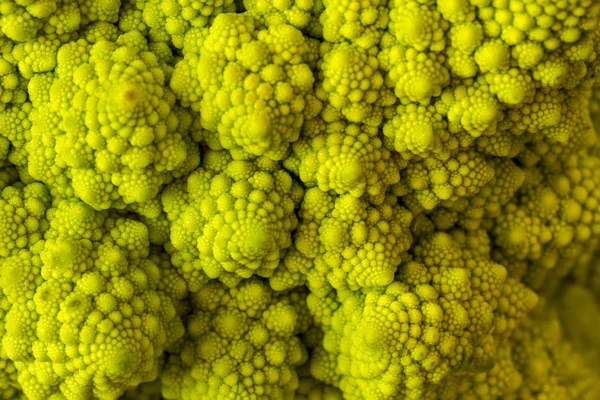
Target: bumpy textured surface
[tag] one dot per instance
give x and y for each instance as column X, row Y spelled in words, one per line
column 23, row 20
column 241, row 344
column 9, row 385
column 7, row 171
column 344, row 158
column 251, row 86
column 118, row 143
column 346, row 242
column 236, row 222
column 90, row 311
column 299, row 199
column 176, row 17
column 435, row 320
column 12, row 84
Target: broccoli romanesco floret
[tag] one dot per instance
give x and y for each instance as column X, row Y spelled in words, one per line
column 88, row 316
column 250, row 85
column 241, row 344
column 117, row 144
column 236, row 219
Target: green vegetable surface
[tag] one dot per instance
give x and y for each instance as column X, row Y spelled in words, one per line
column 299, row 199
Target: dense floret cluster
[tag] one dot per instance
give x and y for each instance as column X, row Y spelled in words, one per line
column 299, row 199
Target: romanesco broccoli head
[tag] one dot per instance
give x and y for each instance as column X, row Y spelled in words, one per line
column 299, row 199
